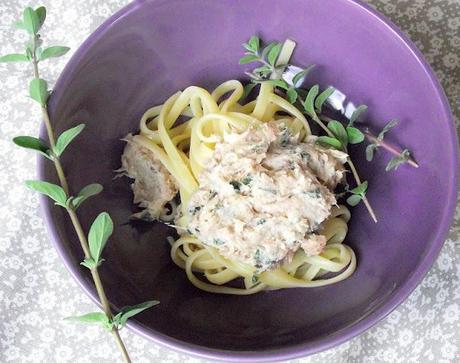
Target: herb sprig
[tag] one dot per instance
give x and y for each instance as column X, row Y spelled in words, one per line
column 102, row 227
column 311, row 102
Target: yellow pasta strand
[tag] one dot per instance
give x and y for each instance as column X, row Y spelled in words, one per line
column 184, row 149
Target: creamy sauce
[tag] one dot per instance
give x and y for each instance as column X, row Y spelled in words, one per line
column 264, row 194
column 153, row 185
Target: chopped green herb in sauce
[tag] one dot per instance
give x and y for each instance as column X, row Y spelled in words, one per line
column 236, row 185
column 194, row 210
column 218, row 241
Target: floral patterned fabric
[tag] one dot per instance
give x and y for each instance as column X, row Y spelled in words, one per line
column 36, row 291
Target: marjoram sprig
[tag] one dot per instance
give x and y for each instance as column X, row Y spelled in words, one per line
column 311, row 101
column 102, row 227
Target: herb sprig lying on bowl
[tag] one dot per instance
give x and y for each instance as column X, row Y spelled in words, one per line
column 338, row 135
column 102, row 227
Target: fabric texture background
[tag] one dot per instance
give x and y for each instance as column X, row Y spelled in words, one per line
column 36, row 291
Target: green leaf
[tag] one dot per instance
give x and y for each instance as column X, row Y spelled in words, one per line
column 354, row 200
column 129, row 311
column 41, row 14
column 281, row 83
column 90, row 263
column 310, row 100
column 357, row 113
column 99, row 233
column 395, row 162
column 254, row 43
column 248, row 59
column 339, row 131
column 66, row 138
column 87, row 192
column 354, row 135
column 247, row 90
column 370, row 150
column 329, row 141
column 263, row 70
column 29, row 50
column 54, row 51
column 323, row 96
column 18, row 24
column 387, row 128
column 360, row 189
column 38, row 91
column 292, row 94
column 14, row 57
column 267, row 49
column 55, row 192
column 38, row 52
column 31, row 21
column 96, row 317
column 273, row 54
column 33, row 143
column 302, row 74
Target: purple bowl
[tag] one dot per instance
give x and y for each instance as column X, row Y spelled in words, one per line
column 149, row 50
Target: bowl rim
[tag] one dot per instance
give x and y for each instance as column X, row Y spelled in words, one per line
column 303, row 349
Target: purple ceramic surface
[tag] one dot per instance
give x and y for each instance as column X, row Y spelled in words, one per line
column 149, row 50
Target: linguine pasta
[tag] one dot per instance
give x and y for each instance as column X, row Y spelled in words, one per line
column 184, row 148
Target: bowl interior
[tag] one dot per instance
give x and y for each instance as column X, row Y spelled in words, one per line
column 155, row 48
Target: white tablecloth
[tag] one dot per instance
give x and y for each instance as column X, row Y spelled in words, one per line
column 36, row 291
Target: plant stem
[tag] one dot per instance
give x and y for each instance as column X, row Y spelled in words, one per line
column 373, row 140
column 350, row 163
column 358, row 181
column 391, row 149
column 323, row 126
column 76, row 222
column 121, row 345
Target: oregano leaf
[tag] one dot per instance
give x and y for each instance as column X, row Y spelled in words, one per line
column 53, row 191
column 96, row 317
column 370, row 150
column 85, row 193
column 247, row 90
column 89, row 263
column 14, row 57
column 354, row 200
column 291, row 95
column 38, row 91
column 281, row 83
column 339, row 131
column 273, row 54
column 18, row 24
column 355, row 136
column 129, row 311
column 254, row 43
column 31, row 21
column 264, row 70
column 33, row 143
column 396, row 161
column 386, row 128
column 248, row 59
column 329, row 141
column 361, row 189
column 41, row 15
column 54, row 51
column 99, row 233
column 296, row 79
column 310, row 100
column 267, row 49
column 357, row 113
column 322, row 97
column 66, row 138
